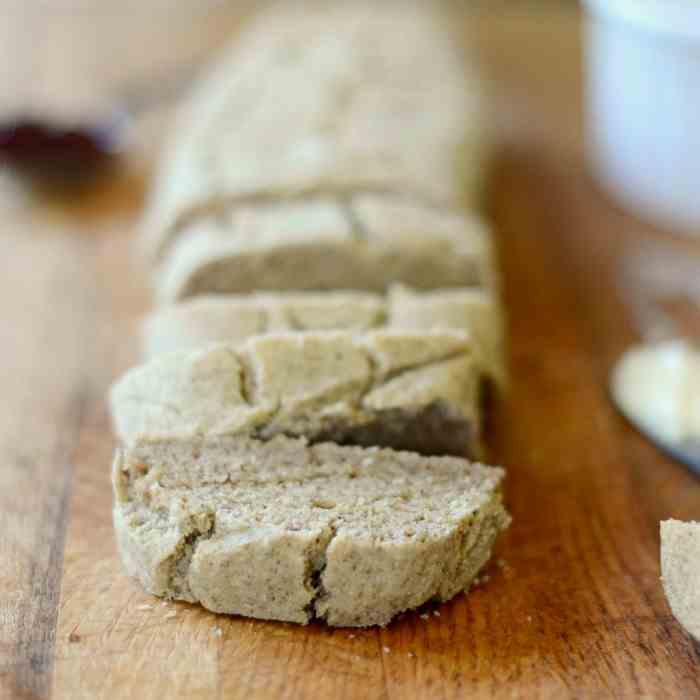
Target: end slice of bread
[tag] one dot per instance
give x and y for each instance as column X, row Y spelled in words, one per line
column 680, row 571
column 284, row 530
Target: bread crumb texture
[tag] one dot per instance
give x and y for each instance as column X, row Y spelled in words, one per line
column 289, row 531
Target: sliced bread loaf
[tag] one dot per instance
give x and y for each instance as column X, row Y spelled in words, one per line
column 336, row 100
column 198, row 322
column 401, row 389
column 283, row 530
column 680, row 571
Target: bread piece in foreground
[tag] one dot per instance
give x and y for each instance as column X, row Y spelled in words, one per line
column 403, row 389
column 282, row 530
column 362, row 242
column 680, row 571
column 201, row 321
column 337, row 100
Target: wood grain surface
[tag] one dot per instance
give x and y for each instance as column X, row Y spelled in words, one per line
column 572, row 607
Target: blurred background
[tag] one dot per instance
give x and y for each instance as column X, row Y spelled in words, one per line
column 112, row 70
column 560, row 78
column 107, row 69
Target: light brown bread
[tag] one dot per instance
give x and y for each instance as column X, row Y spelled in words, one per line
column 404, row 389
column 286, row 531
column 364, row 243
column 225, row 318
column 680, row 571
column 199, row 322
column 337, row 101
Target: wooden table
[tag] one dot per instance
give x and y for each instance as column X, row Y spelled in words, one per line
column 575, row 608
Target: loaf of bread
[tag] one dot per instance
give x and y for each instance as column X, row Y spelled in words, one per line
column 337, row 147
column 198, row 322
column 404, row 389
column 680, row 572
column 283, row 530
column 272, row 461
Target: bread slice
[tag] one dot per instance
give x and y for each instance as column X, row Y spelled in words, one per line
column 680, row 571
column 336, row 100
column 198, row 322
column 407, row 390
column 283, row 530
column 366, row 243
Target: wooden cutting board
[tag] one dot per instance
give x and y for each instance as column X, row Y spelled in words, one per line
column 572, row 605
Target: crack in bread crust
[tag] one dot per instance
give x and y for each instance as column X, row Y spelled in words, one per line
column 432, row 428
column 181, row 560
column 357, row 226
column 315, row 568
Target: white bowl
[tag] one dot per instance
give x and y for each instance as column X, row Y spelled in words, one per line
column 643, row 61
